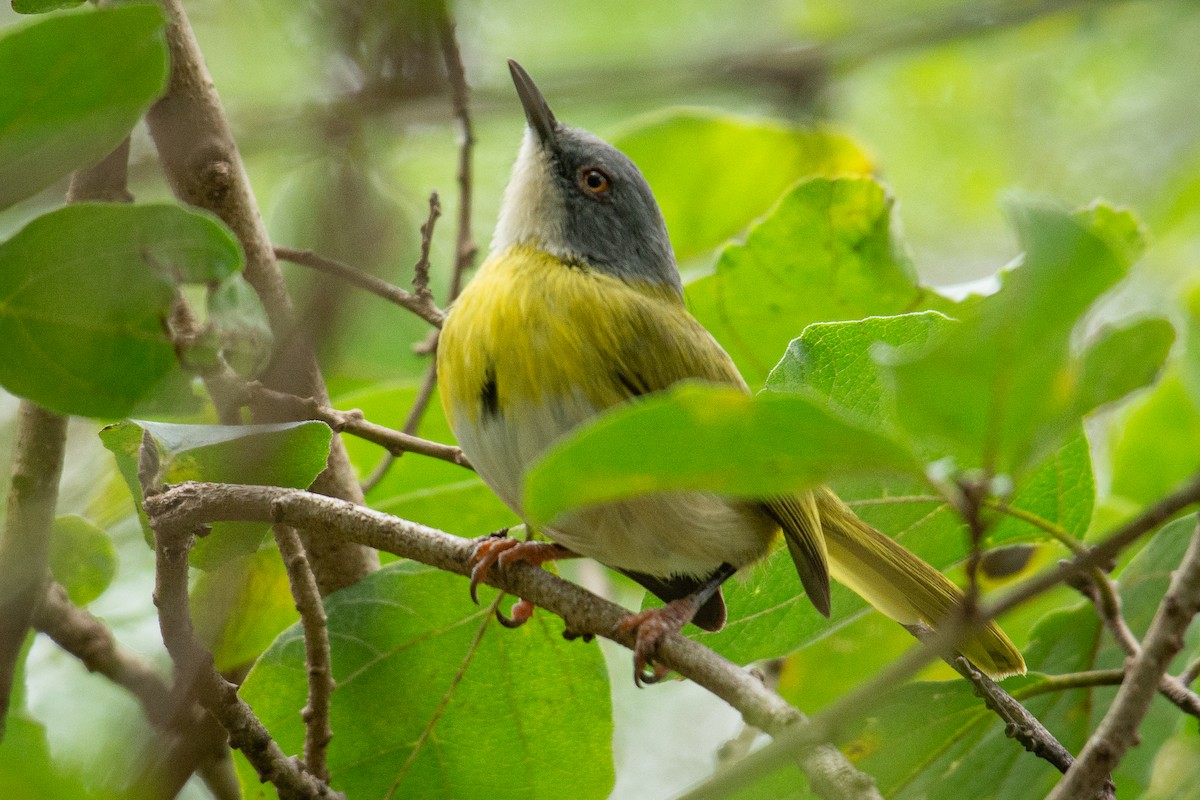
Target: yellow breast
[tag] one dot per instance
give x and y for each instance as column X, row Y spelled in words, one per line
column 530, row 326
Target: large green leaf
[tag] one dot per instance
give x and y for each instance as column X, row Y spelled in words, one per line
column 289, row 454
column 1003, row 387
column 73, row 88
column 84, row 295
column 825, row 252
column 707, row 438
column 434, row 699
column 713, row 173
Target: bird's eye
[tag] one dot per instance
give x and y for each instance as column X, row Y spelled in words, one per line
column 595, row 180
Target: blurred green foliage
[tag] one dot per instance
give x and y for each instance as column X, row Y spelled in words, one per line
column 818, row 162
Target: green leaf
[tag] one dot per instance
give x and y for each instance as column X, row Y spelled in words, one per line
column 82, row 558
column 705, row 438
column 825, row 252
column 769, row 615
column 1061, row 490
column 240, row 607
column 1154, row 442
column 42, row 6
column 1002, row 388
column 84, row 294
column 1121, row 230
column 758, row 160
column 85, row 80
column 834, row 360
column 289, row 454
column 475, row 710
column 1191, row 353
column 28, row 768
column 1121, row 360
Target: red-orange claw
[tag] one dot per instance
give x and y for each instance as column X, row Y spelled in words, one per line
column 487, row 552
column 522, row 610
column 651, row 627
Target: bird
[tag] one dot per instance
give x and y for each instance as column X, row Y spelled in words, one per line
column 579, row 308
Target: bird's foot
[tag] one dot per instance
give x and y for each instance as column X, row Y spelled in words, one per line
column 496, row 549
column 652, row 626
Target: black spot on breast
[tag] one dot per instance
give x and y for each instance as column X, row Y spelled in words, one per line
column 489, row 395
column 633, row 383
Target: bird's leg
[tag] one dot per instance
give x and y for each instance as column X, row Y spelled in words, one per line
column 498, row 549
column 655, row 624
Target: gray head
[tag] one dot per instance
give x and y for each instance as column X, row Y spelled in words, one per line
column 579, row 198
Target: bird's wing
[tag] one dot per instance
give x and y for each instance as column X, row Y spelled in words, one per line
column 670, row 346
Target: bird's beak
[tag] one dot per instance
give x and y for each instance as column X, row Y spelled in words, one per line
column 537, row 112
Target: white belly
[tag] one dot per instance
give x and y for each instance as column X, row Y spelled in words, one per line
column 680, row 533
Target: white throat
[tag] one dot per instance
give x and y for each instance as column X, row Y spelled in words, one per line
column 530, row 215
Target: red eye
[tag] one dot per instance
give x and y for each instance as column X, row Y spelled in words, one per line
column 595, row 180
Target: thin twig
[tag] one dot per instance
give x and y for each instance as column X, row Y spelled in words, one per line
column 352, row 422
column 192, row 504
column 194, row 665
column 421, row 268
column 190, row 739
column 421, row 306
column 318, row 732
column 1117, row 732
column 465, row 249
column 1019, row 724
column 412, row 424
column 1072, row 680
column 421, row 285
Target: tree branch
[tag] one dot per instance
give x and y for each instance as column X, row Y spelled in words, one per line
column 1118, row 730
column 318, row 733
column 202, row 164
column 190, row 505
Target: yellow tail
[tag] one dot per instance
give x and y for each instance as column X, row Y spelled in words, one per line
column 903, row 586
